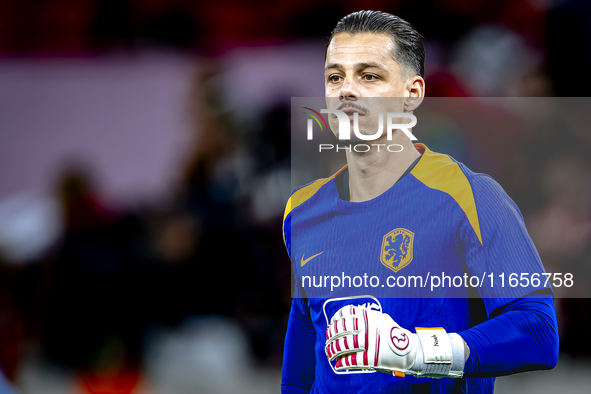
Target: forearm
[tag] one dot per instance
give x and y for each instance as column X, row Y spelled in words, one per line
column 523, row 337
column 299, row 359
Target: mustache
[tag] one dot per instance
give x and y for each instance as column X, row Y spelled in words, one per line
column 362, row 110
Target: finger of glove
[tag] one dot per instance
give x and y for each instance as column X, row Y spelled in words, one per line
column 347, row 310
column 344, row 345
column 352, row 361
column 341, row 327
column 348, row 343
column 358, row 323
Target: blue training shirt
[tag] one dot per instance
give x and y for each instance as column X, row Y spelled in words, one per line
column 409, row 253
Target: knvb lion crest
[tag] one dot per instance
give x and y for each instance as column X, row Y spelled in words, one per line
column 397, row 248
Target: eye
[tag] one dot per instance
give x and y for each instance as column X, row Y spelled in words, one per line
column 370, row 77
column 334, row 78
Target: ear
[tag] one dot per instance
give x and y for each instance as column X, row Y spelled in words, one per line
column 415, row 89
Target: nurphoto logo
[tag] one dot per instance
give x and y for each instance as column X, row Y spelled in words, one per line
column 344, row 129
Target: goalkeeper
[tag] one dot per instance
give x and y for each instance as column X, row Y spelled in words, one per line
column 412, row 212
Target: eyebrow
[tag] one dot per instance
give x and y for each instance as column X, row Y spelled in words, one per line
column 358, row 66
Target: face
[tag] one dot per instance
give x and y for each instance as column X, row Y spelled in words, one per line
column 360, row 74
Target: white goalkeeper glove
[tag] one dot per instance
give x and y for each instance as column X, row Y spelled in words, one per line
column 360, row 338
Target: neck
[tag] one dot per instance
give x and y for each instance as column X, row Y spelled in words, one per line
column 374, row 172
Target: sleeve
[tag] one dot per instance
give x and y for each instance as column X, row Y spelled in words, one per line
column 521, row 333
column 502, row 250
column 523, row 337
column 299, row 359
column 287, row 230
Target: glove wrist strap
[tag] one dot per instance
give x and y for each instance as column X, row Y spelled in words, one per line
column 439, row 354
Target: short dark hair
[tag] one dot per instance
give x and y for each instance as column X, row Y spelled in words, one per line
column 408, row 45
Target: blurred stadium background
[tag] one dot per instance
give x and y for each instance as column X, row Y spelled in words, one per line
column 145, row 164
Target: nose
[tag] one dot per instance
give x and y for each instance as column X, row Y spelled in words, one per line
column 349, row 90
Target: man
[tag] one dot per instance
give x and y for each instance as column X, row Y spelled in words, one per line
column 404, row 214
